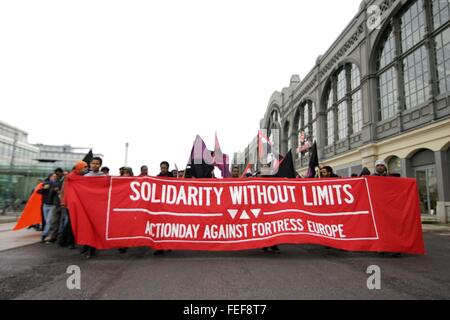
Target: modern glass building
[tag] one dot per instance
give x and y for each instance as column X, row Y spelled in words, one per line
column 22, row 164
column 381, row 91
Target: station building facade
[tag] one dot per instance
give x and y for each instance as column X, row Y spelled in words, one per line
column 381, row 91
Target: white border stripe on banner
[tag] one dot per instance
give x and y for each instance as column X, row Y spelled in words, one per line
column 109, row 207
column 319, row 214
column 170, row 213
column 241, row 241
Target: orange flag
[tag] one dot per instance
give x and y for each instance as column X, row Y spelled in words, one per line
column 31, row 214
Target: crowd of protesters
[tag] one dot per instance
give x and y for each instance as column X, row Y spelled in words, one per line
column 56, row 226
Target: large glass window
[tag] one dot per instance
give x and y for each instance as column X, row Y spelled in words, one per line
column 355, row 77
column 441, row 12
column 330, row 127
column 416, row 76
column 387, row 53
column 342, row 120
column 387, row 82
column 330, row 119
column 412, row 61
column 413, row 25
column 308, row 122
column 347, row 82
column 306, row 118
column 341, row 85
column 357, row 111
column 443, row 60
column 387, row 88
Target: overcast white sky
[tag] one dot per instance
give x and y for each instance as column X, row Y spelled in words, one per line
column 155, row 73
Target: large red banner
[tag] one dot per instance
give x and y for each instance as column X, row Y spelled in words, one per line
column 362, row 214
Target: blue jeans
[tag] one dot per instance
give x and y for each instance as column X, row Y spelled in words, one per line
column 48, row 212
column 63, row 222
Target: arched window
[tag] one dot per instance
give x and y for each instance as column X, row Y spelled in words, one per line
column 347, row 108
column 342, row 120
column 387, row 80
column 395, row 165
column 285, row 143
column 308, row 120
column 274, row 122
column 330, row 119
column 409, row 62
column 413, row 25
column 443, row 60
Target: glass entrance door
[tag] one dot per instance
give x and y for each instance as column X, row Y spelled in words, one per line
column 427, row 183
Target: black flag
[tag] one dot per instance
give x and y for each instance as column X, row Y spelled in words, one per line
column 88, row 157
column 313, row 162
column 200, row 168
column 287, row 169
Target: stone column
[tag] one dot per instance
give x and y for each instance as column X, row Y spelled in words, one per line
column 442, row 173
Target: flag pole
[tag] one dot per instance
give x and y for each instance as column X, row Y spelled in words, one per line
column 126, row 153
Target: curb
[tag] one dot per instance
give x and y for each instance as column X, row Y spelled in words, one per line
column 8, row 220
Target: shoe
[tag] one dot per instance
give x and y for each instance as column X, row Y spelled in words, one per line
column 91, row 254
column 158, row 252
column 275, row 249
column 84, row 250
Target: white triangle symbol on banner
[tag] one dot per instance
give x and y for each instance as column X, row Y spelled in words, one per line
column 245, row 216
column 233, row 213
column 256, row 212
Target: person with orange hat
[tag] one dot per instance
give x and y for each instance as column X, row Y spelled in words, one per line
column 81, row 169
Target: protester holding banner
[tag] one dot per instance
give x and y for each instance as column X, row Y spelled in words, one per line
column 235, row 173
column 327, row 172
column 126, row 172
column 380, row 169
column 164, row 167
column 68, row 237
column 95, row 165
column 144, row 171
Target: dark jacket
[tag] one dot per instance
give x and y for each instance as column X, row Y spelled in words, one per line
column 168, row 175
column 376, row 174
column 50, row 196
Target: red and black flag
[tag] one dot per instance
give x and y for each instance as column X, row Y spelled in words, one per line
column 221, row 160
column 313, row 162
column 286, row 168
column 88, row 157
column 201, row 160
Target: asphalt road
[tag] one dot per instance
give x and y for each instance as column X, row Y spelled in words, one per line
column 38, row 271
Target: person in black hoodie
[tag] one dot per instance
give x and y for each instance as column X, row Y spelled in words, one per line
column 365, row 172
